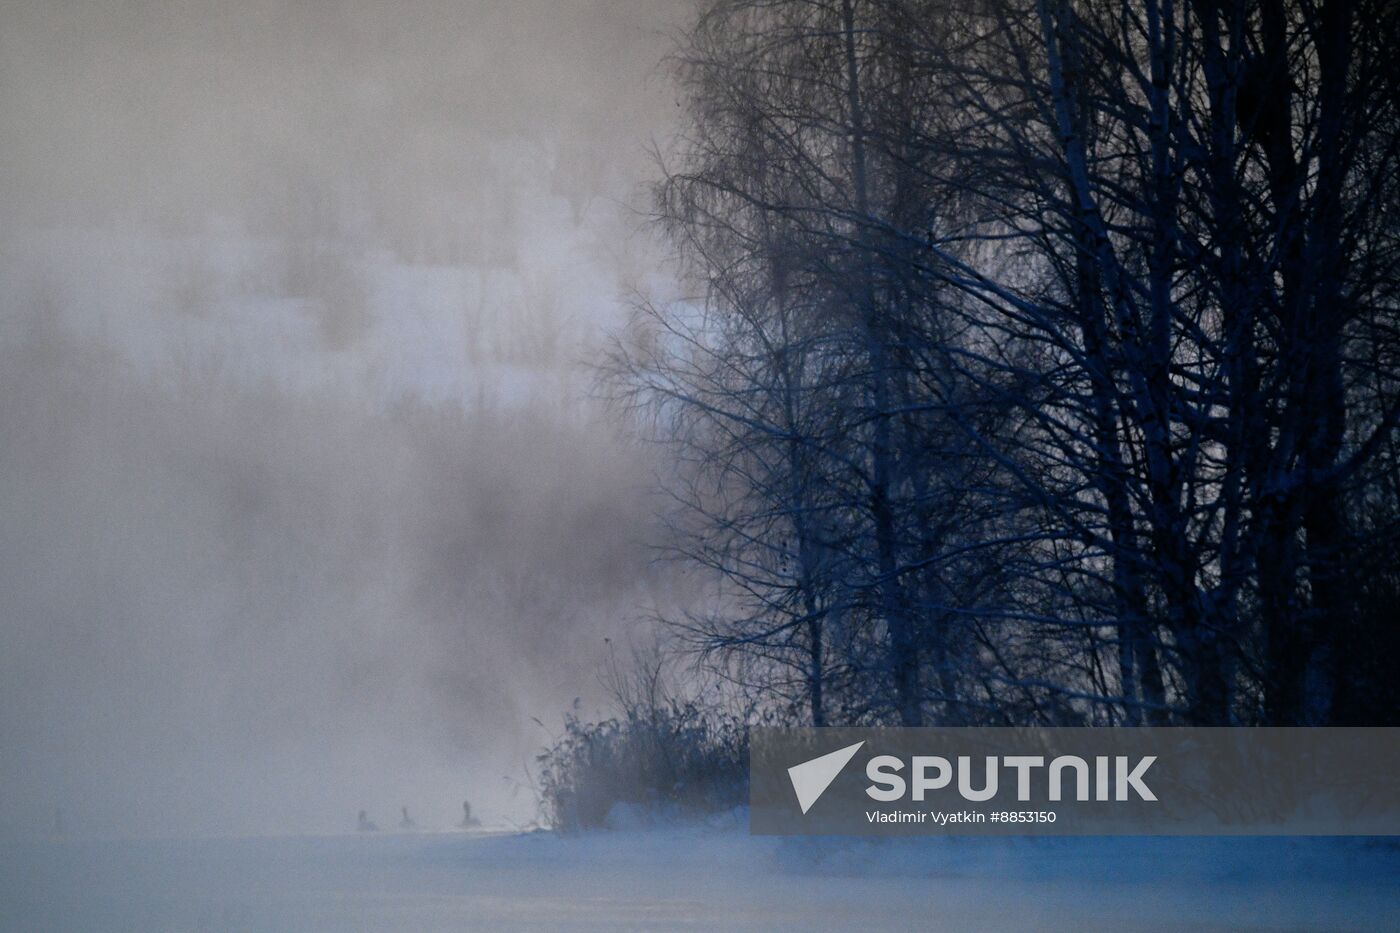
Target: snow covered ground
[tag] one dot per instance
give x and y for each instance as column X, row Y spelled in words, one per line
column 698, row 879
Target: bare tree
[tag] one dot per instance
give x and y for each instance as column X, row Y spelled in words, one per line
column 1044, row 368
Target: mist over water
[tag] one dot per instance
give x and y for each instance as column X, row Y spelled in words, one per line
column 304, row 503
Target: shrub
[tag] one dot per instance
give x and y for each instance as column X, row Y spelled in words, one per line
column 661, row 757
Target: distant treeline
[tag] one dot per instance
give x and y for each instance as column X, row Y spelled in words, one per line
column 1042, row 364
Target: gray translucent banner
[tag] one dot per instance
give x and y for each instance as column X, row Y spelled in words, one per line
column 1151, row 781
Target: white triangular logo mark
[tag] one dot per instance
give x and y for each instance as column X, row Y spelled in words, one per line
column 811, row 778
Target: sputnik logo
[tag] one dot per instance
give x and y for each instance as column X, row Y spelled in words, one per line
column 811, row 778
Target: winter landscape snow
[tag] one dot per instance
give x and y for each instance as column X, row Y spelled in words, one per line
column 713, row 877
column 525, row 400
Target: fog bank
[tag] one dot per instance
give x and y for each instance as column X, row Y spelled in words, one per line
column 304, row 503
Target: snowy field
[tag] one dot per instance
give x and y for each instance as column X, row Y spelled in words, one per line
column 697, row 879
